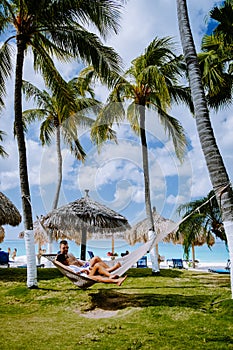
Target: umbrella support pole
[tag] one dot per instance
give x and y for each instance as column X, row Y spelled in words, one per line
column 83, row 244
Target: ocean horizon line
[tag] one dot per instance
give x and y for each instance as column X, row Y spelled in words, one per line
column 101, row 247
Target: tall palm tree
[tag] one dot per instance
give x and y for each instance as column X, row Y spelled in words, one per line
column 51, row 28
column 152, row 82
column 217, row 171
column 59, row 120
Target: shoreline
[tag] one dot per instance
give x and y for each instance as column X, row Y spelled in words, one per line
column 200, row 266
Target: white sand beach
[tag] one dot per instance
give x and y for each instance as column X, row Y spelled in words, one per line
column 200, row 266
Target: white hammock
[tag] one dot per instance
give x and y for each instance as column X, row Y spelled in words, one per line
column 83, row 281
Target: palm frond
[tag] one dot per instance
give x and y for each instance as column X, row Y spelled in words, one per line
column 133, row 117
column 3, row 153
column 6, row 52
column 101, row 133
column 70, row 136
column 175, row 131
column 53, row 79
column 47, row 131
column 41, row 97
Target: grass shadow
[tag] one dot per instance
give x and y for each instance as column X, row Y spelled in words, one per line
column 20, row 275
column 114, row 300
column 145, row 272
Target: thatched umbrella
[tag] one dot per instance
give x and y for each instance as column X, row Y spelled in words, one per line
column 80, row 219
column 9, row 214
column 2, row 234
column 199, row 240
column 139, row 232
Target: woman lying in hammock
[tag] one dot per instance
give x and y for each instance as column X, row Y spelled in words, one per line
column 96, row 269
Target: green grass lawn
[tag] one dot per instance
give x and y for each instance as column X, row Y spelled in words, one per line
column 179, row 309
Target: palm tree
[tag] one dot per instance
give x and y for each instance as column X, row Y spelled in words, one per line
column 224, row 16
column 59, row 120
column 216, row 71
column 217, row 171
column 202, row 218
column 51, row 28
column 150, row 83
column 216, row 58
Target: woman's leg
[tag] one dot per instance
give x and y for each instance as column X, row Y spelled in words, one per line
column 96, row 260
column 113, row 268
column 102, row 279
column 98, row 269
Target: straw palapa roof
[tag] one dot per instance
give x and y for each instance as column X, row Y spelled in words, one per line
column 166, row 228
column 69, row 220
column 139, row 232
column 2, row 234
column 9, row 214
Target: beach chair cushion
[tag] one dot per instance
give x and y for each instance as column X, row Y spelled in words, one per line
column 177, row 263
column 4, row 258
column 142, row 263
column 221, row 271
column 91, row 254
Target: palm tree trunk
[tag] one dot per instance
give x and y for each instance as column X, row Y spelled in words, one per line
column 145, row 162
column 59, row 181
column 193, row 255
column 59, row 168
column 217, row 171
column 23, row 173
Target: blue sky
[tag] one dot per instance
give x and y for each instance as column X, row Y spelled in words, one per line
column 114, row 176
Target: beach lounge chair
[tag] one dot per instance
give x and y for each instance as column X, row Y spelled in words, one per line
column 228, row 264
column 142, row 263
column 221, row 271
column 226, row 270
column 176, row 263
column 91, row 254
column 4, row 258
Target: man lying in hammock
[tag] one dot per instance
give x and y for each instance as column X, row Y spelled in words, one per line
column 96, row 269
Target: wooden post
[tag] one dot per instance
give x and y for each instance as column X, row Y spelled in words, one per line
column 193, row 256
column 113, row 247
column 83, row 244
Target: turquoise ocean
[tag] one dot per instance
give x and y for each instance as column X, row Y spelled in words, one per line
column 217, row 254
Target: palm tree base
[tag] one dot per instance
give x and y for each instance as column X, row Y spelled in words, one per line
column 33, row 287
column 155, row 273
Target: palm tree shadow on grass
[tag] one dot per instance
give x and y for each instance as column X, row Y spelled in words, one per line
column 114, row 300
column 145, row 272
column 20, row 274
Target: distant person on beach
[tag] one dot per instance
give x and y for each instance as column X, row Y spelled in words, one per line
column 14, row 254
column 97, row 269
column 9, row 251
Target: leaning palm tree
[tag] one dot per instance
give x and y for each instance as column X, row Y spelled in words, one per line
column 51, row 28
column 152, row 82
column 217, row 171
